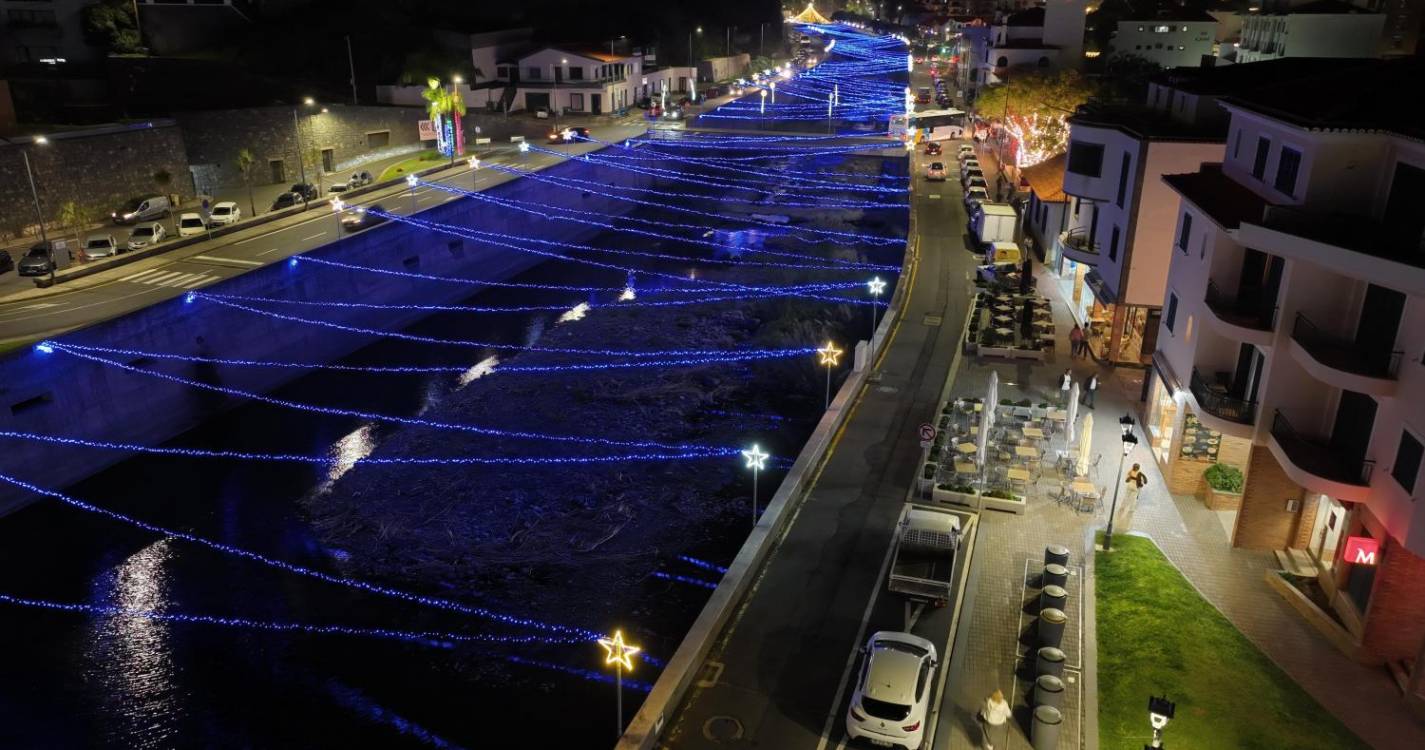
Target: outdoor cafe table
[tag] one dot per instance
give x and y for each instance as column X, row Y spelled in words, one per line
column 967, row 448
column 1021, row 475
column 1083, row 488
column 1056, row 415
column 1024, row 451
column 966, row 467
column 1034, row 433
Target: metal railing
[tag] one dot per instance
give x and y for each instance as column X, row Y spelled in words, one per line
column 1318, row 456
column 1214, row 399
column 1079, row 241
column 1257, row 314
column 1343, row 354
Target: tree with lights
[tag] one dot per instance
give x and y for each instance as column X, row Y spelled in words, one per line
column 1034, row 107
column 445, row 107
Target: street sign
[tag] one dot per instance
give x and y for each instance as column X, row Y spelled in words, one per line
column 426, row 128
column 1361, row 550
column 927, row 432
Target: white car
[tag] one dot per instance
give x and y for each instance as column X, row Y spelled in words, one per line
column 224, row 213
column 100, row 246
column 145, row 234
column 892, row 695
column 190, row 225
column 976, row 195
column 360, row 178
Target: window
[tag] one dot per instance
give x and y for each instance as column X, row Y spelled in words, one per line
column 1407, row 461
column 328, row 160
column 1236, row 143
column 1086, row 158
column 576, row 102
column 1162, row 29
column 1113, row 245
column 379, row 139
column 1185, row 233
column 1122, row 180
column 1264, row 147
column 1172, row 315
column 1288, row 163
column 576, row 73
column 533, row 73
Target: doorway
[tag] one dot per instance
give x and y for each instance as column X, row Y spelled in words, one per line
column 596, row 103
column 1355, row 418
column 1380, row 321
column 1403, row 219
column 279, row 174
column 1326, row 533
column 328, row 160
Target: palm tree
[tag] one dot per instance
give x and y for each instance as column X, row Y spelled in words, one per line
column 441, row 102
column 245, row 160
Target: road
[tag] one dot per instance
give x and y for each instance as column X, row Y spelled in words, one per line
column 30, row 313
column 821, row 593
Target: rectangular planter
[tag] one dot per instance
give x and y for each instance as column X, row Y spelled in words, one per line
column 1008, row 506
column 1337, row 635
column 996, row 351
column 967, row 499
column 1034, row 354
column 1216, row 500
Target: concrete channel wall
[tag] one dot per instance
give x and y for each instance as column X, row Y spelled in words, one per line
column 675, row 679
column 60, row 394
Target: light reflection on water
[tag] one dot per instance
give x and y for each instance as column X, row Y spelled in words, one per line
column 128, row 661
column 346, row 452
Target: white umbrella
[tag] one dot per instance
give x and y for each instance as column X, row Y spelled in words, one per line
column 1073, row 407
column 1085, row 445
column 987, row 419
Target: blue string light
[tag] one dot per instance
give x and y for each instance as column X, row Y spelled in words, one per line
column 684, row 579
column 704, row 564
column 587, row 674
column 352, row 583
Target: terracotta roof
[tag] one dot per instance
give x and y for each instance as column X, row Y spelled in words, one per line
column 1222, row 198
column 1046, row 179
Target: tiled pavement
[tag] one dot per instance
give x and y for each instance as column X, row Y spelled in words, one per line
column 998, row 617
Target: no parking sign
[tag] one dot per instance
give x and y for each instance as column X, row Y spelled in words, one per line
column 927, row 434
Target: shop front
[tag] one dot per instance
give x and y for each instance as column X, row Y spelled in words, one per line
column 1183, row 446
column 1119, row 334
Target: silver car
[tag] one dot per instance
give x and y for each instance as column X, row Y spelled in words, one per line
column 100, row 246
column 145, row 234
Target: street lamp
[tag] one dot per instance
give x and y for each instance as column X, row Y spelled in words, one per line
column 829, row 355
column 338, row 205
column 1160, row 712
column 297, row 130
column 619, row 654
column 411, row 181
column 876, row 286
column 763, row 109
column 474, row 168
column 774, row 92
column 691, row 61
column 38, row 140
column 756, row 461
column 554, row 73
column 1125, row 424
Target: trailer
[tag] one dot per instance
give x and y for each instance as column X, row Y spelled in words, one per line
column 923, row 567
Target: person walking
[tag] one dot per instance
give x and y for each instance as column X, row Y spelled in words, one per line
column 1066, row 381
column 1090, row 387
column 994, row 715
column 1135, row 481
column 1076, row 342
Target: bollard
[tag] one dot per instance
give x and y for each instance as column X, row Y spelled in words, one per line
column 1045, row 732
column 1056, row 554
column 1051, row 627
column 1049, row 691
column 1053, row 597
column 1055, row 575
column 1050, row 660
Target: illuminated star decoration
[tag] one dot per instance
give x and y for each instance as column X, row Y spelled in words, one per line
column 756, row 459
column 829, row 354
column 618, row 652
column 412, row 180
column 524, row 147
column 338, row 205
column 568, row 134
column 876, row 286
column 474, row 163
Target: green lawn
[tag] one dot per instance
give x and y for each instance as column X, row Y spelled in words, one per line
column 423, row 160
column 1157, row 636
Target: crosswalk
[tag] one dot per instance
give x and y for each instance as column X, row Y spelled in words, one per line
column 176, row 279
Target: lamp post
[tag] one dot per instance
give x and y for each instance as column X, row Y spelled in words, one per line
column 411, row 181
column 774, row 92
column 1125, row 424
column 1160, row 712
column 756, row 461
column 455, row 81
column 554, row 74
column 618, row 653
column 876, row 286
column 829, row 355
column 763, row 110
column 338, row 205
column 297, row 131
column 691, row 61
column 34, row 193
column 474, row 172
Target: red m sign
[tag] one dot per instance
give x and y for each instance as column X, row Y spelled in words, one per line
column 1362, row 550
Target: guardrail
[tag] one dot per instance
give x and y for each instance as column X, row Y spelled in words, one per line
column 1217, row 403
column 1318, row 457
column 1233, row 309
column 1343, row 354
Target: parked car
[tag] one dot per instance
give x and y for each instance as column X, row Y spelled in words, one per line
column 100, row 246
column 145, row 234
column 38, row 261
column 935, row 172
column 142, row 209
column 336, row 188
column 673, row 113
column 932, row 149
column 7, row 263
column 360, row 178
column 224, row 213
column 355, row 221
column 977, row 182
column 190, row 225
column 966, row 150
column 286, row 200
column 969, row 172
column 892, row 695
column 307, row 190
column 976, row 195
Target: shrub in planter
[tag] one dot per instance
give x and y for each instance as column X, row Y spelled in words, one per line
column 1224, row 478
column 1006, row 402
column 1001, row 495
column 1024, row 402
column 928, row 471
column 963, row 489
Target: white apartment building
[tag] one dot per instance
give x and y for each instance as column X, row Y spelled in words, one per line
column 1175, row 39
column 573, row 81
column 1292, row 341
column 1048, row 37
column 1322, row 28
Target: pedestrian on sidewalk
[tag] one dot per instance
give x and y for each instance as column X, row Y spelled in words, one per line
column 994, row 715
column 1090, row 387
column 1076, row 342
column 1066, row 381
column 1135, row 481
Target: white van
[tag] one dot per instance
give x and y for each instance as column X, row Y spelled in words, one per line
column 142, row 209
column 993, row 222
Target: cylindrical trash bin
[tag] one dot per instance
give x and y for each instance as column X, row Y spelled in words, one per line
column 1051, row 627
column 1053, row 597
column 1045, row 732
column 1055, row 575
column 1049, row 691
column 1050, row 660
column 1056, row 554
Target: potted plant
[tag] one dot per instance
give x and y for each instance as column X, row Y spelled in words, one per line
column 956, row 493
column 1002, row 500
column 1223, row 487
column 927, row 477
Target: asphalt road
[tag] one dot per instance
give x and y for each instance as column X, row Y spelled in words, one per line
column 29, row 313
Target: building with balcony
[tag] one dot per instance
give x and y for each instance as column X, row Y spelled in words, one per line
column 564, row 80
column 1046, row 214
column 1048, row 37
column 1322, row 28
column 1292, row 340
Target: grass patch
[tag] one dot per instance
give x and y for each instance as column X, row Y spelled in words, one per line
column 1157, row 636
column 423, row 160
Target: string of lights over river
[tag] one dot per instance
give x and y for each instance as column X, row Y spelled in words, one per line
column 529, row 434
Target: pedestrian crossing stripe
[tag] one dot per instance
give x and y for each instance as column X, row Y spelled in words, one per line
column 175, row 279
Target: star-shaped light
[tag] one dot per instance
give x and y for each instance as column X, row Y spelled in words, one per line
column 829, row 354
column 474, row 163
column 568, row 134
column 618, row 652
column 756, row 459
column 876, row 286
column 524, row 147
column 412, row 180
column 627, row 294
column 338, row 205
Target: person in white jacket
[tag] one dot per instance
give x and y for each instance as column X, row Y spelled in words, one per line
column 993, row 716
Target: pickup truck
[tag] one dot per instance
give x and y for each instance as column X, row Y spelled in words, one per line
column 927, row 539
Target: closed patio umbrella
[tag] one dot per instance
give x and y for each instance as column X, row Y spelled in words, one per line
column 1085, row 446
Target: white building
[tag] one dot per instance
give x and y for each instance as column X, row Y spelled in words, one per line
column 1292, row 339
column 1172, row 39
column 1048, row 37
column 1323, row 28
column 573, row 81
column 1046, row 214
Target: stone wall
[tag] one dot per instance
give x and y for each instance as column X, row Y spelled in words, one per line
column 1395, row 623
column 97, row 168
column 1264, row 522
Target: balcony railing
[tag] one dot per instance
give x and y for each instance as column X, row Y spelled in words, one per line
column 1361, row 234
column 1214, row 399
column 1318, row 456
column 1259, row 315
column 1344, row 354
column 1079, row 241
